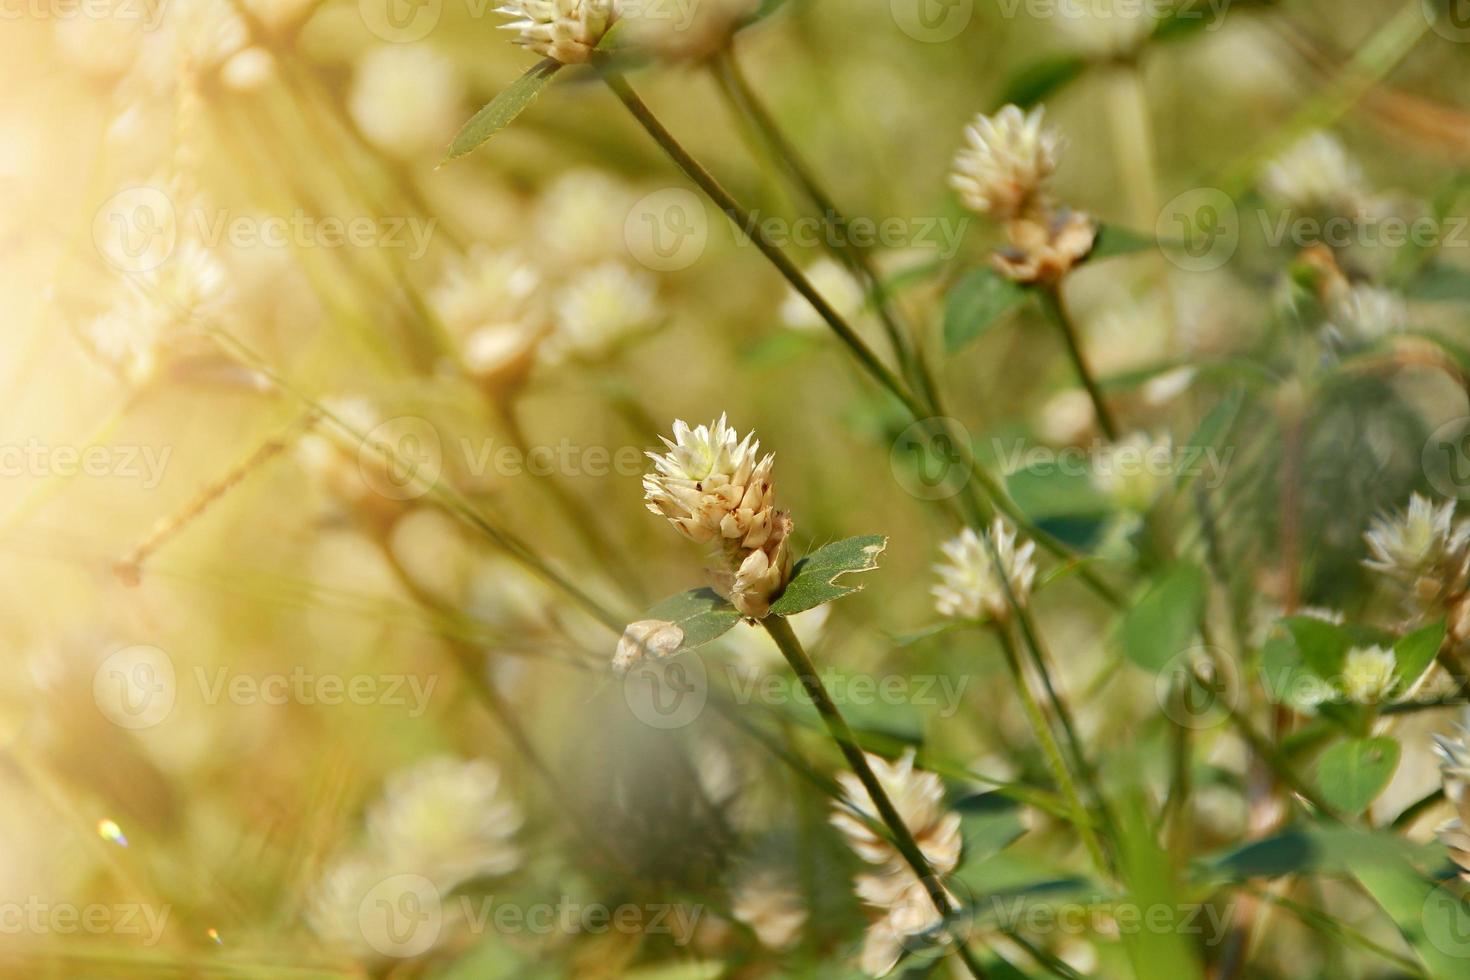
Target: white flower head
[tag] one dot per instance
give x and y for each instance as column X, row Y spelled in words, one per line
column 601, row 305
column 1454, row 761
column 970, row 583
column 835, row 284
column 1005, row 162
column 1366, row 313
column 773, row 909
column 1134, row 470
column 918, row 796
column 1367, row 674
column 1315, row 174
column 647, row 638
column 711, row 484
column 489, row 300
column 447, row 820
column 406, row 98
column 579, row 219
column 907, row 914
column 566, row 30
column 1423, row 549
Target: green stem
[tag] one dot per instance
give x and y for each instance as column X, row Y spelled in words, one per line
column 1051, row 300
column 1052, row 752
column 842, row 734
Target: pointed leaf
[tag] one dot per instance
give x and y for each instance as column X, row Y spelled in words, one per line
column 814, row 579
column 1352, row 774
column 700, row 613
column 1414, row 653
column 502, row 110
column 1038, row 80
column 1163, row 623
column 1113, row 240
column 975, row 303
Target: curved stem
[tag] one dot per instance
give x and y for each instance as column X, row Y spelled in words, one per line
column 1051, row 299
column 842, row 734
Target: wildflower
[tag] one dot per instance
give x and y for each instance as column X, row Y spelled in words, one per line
column 1366, row 313
column 566, row 30
column 602, row 305
column 713, row 486
column 488, row 301
column 972, row 585
column 1316, row 174
column 1367, row 674
column 1423, row 550
column 1005, row 163
column 684, row 32
column 643, row 639
column 835, row 284
column 1454, row 768
column 1044, row 250
column 406, row 98
column 1107, row 29
column 579, row 219
column 912, row 913
column 767, row 903
column 447, row 820
column 1134, row 470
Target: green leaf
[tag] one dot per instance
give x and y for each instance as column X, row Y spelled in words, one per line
column 1162, row 951
column 1038, row 80
column 502, row 110
column 1433, row 921
column 700, row 613
column 1113, row 240
column 1414, row 653
column 1323, row 646
column 1441, row 283
column 1212, row 432
column 989, row 823
column 975, row 303
column 1352, row 774
column 1162, row 624
column 814, row 579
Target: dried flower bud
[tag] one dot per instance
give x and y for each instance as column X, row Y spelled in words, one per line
column 567, row 30
column 646, row 638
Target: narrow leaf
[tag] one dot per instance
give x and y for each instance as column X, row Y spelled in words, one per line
column 502, row 110
column 975, row 303
column 814, row 579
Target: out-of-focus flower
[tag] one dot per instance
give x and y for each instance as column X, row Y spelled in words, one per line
column 1134, row 470
column 1423, row 549
column 579, row 219
column 1066, row 416
column 567, row 30
column 104, row 44
column 334, row 902
column 1005, row 163
column 448, row 820
column 1454, row 768
column 714, row 486
column 681, row 31
column 1316, row 174
column 908, row 915
column 1366, row 313
column 334, row 460
column 773, row 909
column 488, row 301
column 645, row 639
column 1043, row 250
column 1106, row 29
column 602, row 305
column 1367, row 674
column 835, row 284
column 406, row 98
column 971, row 585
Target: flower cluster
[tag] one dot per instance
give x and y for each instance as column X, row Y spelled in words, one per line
column 1002, row 171
column 902, row 899
column 1454, row 769
column 1425, row 553
column 971, row 583
column 1368, row 674
column 715, row 487
column 566, row 30
column 766, row 902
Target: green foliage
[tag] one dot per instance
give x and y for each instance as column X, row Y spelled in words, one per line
column 814, row 579
column 502, row 110
column 700, row 613
column 1351, row 774
column 1163, row 624
column 976, row 303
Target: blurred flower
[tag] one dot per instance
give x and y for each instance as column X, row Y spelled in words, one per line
column 406, row 98
column 579, row 219
column 910, row 914
column 104, row 44
column 647, row 638
column 447, row 820
column 1135, row 470
column 1007, row 159
column 601, row 305
column 836, row 285
column 678, row 30
column 1366, row 313
column 1042, row 251
column 333, row 907
column 1367, row 674
column 1423, row 549
column 971, row 585
column 1454, row 767
column 772, row 908
column 1106, row 29
column 567, row 30
column 333, row 460
column 488, row 301
column 1316, row 174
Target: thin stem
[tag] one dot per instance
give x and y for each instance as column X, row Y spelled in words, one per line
column 1051, row 752
column 842, row 734
column 1051, row 299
